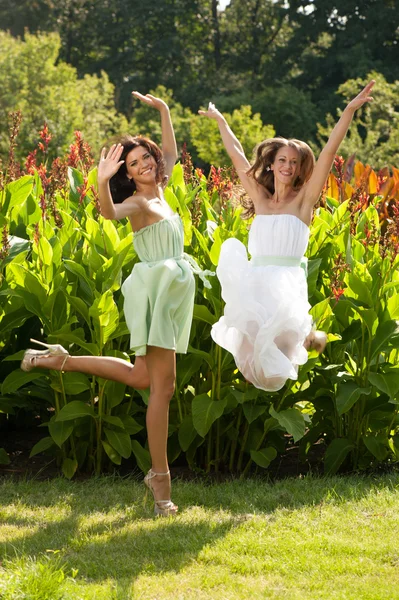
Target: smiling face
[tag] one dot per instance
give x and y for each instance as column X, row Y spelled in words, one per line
column 286, row 165
column 141, row 165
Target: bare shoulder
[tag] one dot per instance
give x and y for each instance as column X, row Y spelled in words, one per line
column 135, row 203
column 130, row 207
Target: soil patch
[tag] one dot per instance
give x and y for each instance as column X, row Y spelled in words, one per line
column 19, row 444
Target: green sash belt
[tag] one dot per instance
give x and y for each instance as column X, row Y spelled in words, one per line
column 280, row 261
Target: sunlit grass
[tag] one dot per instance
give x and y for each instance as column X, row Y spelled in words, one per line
column 296, row 539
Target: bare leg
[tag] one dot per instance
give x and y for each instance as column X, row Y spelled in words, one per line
column 107, row 367
column 286, row 342
column 161, row 365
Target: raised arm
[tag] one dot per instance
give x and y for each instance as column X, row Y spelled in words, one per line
column 169, row 148
column 312, row 190
column 233, row 148
column 107, row 167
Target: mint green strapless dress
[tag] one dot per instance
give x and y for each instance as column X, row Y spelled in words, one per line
column 159, row 293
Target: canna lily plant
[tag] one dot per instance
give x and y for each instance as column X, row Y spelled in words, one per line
column 61, row 268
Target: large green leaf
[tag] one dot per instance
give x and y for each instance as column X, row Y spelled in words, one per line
column 313, row 273
column 177, row 177
column 253, row 411
column 120, row 441
column 19, row 248
column 384, row 333
column 105, row 316
column 205, row 355
column 142, row 456
column 41, row 446
column 369, row 318
column 336, row 453
column 393, row 306
column 112, row 453
column 75, row 410
column 377, row 445
column 110, row 235
column 115, row 393
column 264, row 457
column 60, row 430
column 69, row 467
column 388, row 383
column 348, row 393
column 17, row 379
column 85, row 284
column 75, row 383
column 187, row 433
column 75, row 181
column 205, row 412
column 359, row 289
column 76, row 338
column 80, row 306
column 112, row 420
column 131, row 425
column 18, row 191
column 291, row 420
column 186, row 369
column 202, row 313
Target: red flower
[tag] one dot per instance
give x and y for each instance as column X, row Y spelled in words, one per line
column 337, row 292
column 80, row 152
column 42, row 171
column 30, row 162
column 46, row 137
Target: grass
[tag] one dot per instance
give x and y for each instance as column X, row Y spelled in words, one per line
column 301, row 539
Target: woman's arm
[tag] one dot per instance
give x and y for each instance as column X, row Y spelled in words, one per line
column 169, row 148
column 234, row 149
column 312, row 190
column 109, row 165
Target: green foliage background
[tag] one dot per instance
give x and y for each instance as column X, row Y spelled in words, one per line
column 74, row 64
column 61, row 273
column 272, row 67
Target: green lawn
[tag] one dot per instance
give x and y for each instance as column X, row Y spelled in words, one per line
column 296, row 539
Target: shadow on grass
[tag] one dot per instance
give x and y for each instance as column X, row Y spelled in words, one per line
column 105, row 534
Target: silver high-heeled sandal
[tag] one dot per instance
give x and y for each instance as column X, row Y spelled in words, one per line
column 29, row 360
column 162, row 508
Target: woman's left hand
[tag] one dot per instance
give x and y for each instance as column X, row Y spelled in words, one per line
column 151, row 101
column 363, row 97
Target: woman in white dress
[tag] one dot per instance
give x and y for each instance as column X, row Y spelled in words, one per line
column 266, row 323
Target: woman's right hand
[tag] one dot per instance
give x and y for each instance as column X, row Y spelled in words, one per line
column 212, row 112
column 110, row 163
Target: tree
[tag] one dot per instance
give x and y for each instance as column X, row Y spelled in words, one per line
column 374, row 133
column 289, row 110
column 252, row 30
column 248, row 128
column 145, row 121
column 47, row 90
column 139, row 44
column 336, row 40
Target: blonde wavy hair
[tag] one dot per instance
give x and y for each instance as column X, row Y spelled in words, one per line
column 264, row 157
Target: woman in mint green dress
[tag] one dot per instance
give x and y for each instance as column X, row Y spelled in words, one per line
column 158, row 295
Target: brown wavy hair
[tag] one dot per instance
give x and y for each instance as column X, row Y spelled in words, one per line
column 264, row 157
column 120, row 185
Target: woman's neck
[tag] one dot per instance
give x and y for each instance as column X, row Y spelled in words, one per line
column 282, row 193
column 149, row 191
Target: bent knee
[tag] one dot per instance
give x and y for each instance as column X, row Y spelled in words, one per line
column 165, row 390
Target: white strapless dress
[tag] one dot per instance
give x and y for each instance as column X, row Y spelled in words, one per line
column 266, row 317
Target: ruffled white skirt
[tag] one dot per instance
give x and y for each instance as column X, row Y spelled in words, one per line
column 266, row 317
